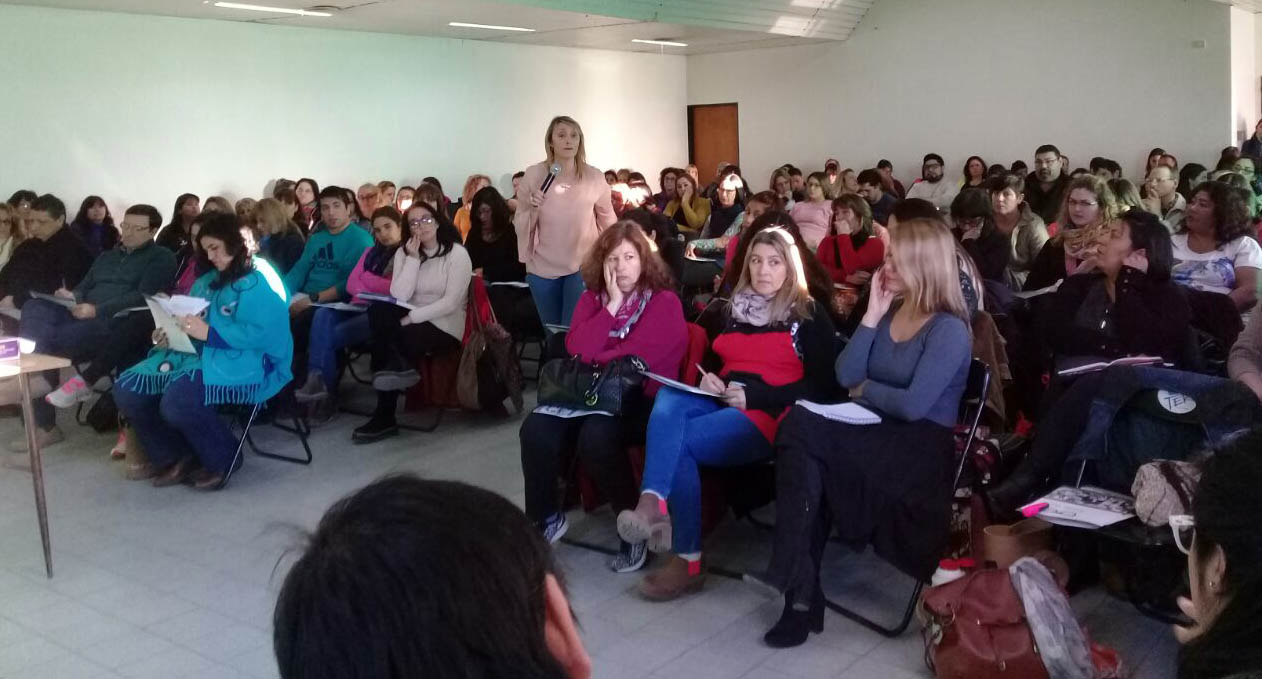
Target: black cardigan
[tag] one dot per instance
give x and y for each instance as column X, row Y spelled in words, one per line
column 815, row 342
column 1148, row 318
column 991, row 252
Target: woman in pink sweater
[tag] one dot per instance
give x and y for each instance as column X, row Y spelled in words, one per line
column 556, row 228
column 333, row 329
column 628, row 309
column 814, row 214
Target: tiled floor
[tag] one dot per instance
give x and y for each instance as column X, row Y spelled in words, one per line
column 172, row 583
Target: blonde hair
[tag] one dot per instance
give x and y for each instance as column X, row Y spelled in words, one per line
column 923, row 251
column 793, row 299
column 245, row 211
column 270, row 218
column 470, row 187
column 17, row 230
column 580, row 158
column 1109, row 208
column 219, row 203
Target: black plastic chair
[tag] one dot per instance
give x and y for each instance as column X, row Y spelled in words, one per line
column 246, row 419
column 971, row 407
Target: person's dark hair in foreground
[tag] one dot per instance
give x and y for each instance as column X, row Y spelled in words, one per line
column 1225, row 566
column 411, row 578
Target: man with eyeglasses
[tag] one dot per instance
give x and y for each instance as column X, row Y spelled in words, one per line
column 320, row 274
column 1045, row 188
column 93, row 320
column 932, row 186
column 1163, row 199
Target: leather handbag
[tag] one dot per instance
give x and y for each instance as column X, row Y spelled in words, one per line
column 1164, row 487
column 976, row 628
column 574, row 384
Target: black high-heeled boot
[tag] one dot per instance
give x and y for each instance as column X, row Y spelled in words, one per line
column 1019, row 488
column 795, row 625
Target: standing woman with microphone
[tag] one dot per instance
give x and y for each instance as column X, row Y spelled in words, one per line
column 562, row 206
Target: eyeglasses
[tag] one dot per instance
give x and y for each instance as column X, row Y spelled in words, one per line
column 932, row 166
column 134, row 227
column 1081, row 203
column 423, row 221
column 1184, row 529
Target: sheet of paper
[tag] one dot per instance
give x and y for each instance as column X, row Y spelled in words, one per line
column 676, row 384
column 63, row 301
column 508, row 284
column 850, row 413
column 177, row 339
column 387, row 299
column 1041, row 291
column 182, row 305
column 342, row 306
column 1086, row 507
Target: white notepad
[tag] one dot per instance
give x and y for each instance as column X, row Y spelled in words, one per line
column 850, row 413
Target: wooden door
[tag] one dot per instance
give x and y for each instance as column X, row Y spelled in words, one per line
column 713, row 138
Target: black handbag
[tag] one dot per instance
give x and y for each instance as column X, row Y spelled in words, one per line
column 575, row 385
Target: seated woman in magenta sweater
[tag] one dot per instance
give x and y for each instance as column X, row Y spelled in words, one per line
column 851, row 251
column 889, row 484
column 771, row 344
column 628, row 309
column 333, row 330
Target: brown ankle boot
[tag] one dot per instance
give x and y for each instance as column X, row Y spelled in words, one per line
column 646, row 523
column 671, row 581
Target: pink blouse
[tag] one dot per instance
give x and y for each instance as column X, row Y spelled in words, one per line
column 553, row 238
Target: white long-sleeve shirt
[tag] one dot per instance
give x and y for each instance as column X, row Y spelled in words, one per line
column 438, row 288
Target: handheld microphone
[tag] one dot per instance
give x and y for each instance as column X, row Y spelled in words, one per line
column 552, row 175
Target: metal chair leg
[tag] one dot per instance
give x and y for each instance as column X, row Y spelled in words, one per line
column 890, row 632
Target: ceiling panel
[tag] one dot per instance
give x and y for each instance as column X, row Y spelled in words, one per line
column 706, row 25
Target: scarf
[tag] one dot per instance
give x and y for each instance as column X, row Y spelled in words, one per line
column 628, row 313
column 750, row 307
column 380, row 260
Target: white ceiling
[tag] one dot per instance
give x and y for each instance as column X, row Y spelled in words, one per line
column 706, row 25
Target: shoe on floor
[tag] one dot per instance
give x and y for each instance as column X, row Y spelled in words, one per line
column 554, row 528
column 119, row 451
column 173, row 475
column 375, row 429
column 671, row 581
column 314, row 390
column 71, row 392
column 387, row 380
column 45, row 438
column 631, row 557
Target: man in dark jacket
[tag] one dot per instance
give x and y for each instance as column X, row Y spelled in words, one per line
column 101, row 320
column 53, row 257
column 1045, row 187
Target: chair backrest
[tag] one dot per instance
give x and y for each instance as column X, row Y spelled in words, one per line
column 697, row 343
column 972, row 404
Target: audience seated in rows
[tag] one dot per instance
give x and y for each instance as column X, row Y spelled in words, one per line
column 628, row 309
column 769, row 345
column 244, row 350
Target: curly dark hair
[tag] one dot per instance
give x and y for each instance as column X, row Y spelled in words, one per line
column 1231, row 214
column 655, row 275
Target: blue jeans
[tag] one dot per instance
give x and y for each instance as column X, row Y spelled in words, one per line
column 685, row 432
column 178, row 424
column 555, row 298
column 56, row 332
column 332, row 331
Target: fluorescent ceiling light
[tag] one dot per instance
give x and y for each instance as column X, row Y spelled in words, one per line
column 663, row 43
column 279, row 10
column 461, row 24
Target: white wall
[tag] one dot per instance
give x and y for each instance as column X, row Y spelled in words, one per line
column 1244, row 74
column 142, row 108
column 989, row 77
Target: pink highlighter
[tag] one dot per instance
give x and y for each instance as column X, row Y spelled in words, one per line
column 1032, row 510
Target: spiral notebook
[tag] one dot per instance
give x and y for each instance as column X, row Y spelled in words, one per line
column 850, row 413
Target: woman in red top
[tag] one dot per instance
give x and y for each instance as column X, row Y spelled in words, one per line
column 628, row 309
column 771, row 344
column 851, row 252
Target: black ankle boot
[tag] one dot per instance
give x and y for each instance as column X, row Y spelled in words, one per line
column 1003, row 500
column 378, row 427
column 795, row 626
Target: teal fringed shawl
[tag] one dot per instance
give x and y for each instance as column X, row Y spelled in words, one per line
column 247, row 358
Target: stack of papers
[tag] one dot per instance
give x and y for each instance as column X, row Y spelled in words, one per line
column 676, row 384
column 1096, row 366
column 850, row 413
column 166, row 312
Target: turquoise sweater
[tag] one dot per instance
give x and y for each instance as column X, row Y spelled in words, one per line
column 327, row 261
column 246, row 356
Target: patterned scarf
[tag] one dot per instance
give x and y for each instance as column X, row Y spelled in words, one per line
column 628, row 312
column 752, row 308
